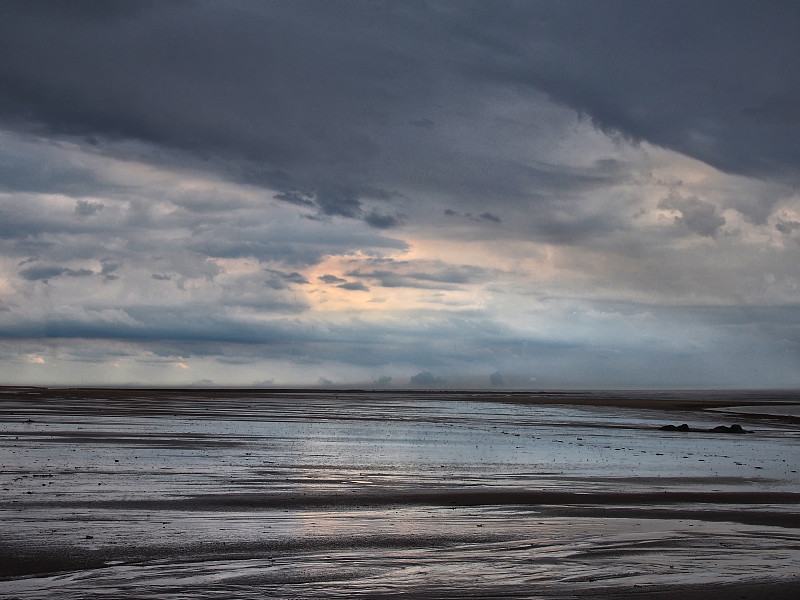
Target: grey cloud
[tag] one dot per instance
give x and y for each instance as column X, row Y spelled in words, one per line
column 294, row 197
column 757, row 202
column 331, row 279
column 315, row 112
column 347, row 120
column 422, row 123
column 39, row 165
column 458, row 347
column 787, row 226
column 384, row 278
column 355, row 286
column 339, row 202
column 422, row 275
column 208, row 202
column 776, row 110
column 85, row 208
column 280, row 280
column 27, row 218
column 107, row 271
column 343, row 200
column 79, row 272
column 275, row 284
column 295, row 277
column 259, row 126
column 486, row 216
column 300, row 245
column 450, row 275
column 46, row 272
column 150, row 328
column 683, row 75
column 261, row 250
column 271, row 304
column 207, row 330
column 392, row 279
column 426, row 378
column 381, row 221
column 697, row 216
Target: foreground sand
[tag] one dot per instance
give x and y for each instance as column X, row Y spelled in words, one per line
column 168, row 494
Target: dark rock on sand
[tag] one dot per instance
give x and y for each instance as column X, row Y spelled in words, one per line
column 735, row 428
column 683, row 427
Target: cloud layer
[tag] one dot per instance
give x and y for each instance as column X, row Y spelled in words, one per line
column 364, row 193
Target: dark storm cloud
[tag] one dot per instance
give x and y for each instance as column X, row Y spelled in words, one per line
column 258, row 85
column 315, row 99
column 708, row 79
column 340, row 200
column 196, row 162
column 381, row 221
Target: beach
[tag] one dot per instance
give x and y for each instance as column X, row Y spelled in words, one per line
column 350, row 493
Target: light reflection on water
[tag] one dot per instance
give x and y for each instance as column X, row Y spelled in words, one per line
column 549, row 556
column 76, row 470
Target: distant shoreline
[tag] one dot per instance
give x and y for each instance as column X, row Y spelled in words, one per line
column 666, row 400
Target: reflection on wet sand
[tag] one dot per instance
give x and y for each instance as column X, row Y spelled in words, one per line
column 178, row 494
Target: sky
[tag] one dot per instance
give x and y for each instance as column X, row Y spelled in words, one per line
column 400, row 194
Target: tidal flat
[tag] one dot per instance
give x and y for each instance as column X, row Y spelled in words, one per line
column 340, row 494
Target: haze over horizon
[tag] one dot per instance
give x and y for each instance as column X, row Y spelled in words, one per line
column 400, row 194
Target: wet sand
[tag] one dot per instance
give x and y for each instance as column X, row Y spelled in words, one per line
column 307, row 494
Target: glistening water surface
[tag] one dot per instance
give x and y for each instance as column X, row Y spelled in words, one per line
column 179, row 494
